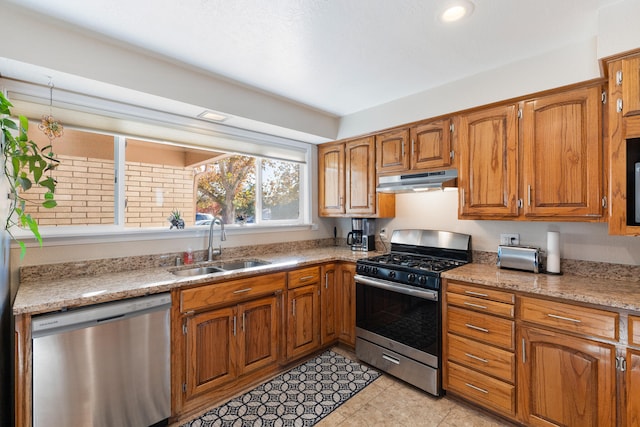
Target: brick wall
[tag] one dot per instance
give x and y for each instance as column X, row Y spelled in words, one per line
column 153, row 191
column 85, row 194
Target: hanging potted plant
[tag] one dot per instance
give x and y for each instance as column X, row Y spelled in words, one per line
column 26, row 165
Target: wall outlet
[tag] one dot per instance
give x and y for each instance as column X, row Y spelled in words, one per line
column 509, row 239
column 383, row 233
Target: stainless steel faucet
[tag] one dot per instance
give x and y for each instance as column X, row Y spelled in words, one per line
column 223, row 237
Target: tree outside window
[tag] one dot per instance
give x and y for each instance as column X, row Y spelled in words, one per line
column 227, row 188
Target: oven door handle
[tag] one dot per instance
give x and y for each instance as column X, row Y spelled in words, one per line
column 390, row 286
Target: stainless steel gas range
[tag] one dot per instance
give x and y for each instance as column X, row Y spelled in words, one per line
column 398, row 304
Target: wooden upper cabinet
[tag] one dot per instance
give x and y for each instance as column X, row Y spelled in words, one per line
column 623, row 125
column 562, row 152
column 360, row 176
column 392, row 152
column 423, row 146
column 431, row 145
column 630, row 86
column 331, row 179
column 347, row 181
column 488, row 175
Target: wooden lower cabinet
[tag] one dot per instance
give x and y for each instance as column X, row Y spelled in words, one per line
column 478, row 346
column 565, row 380
column 329, row 313
column 225, row 343
column 303, row 320
column 632, row 403
column 337, row 304
column 347, row 304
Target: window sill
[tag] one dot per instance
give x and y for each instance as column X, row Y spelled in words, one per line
column 112, row 234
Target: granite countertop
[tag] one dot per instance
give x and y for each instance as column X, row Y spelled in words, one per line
column 619, row 294
column 40, row 296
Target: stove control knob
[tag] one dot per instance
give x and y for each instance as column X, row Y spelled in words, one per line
column 374, row 270
column 411, row 277
column 422, row 280
column 392, row 274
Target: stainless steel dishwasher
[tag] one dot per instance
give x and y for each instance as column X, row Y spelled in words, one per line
column 103, row 365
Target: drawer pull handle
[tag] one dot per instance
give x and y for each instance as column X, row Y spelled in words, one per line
column 568, row 319
column 470, row 304
column 477, row 294
column 480, row 359
column 241, row 291
column 476, row 388
column 305, row 278
column 477, row 328
column 391, row 359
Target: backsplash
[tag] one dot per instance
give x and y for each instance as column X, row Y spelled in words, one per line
column 576, row 267
column 597, row 270
column 114, row 265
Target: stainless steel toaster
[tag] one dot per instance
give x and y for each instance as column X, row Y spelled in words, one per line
column 525, row 258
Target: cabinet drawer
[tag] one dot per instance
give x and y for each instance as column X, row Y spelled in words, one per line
column 481, row 305
column 302, row 277
column 634, row 330
column 483, row 327
column 490, row 360
column 570, row 318
column 223, row 293
column 484, row 293
column 482, row 389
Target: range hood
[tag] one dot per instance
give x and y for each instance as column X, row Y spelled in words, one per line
column 424, row 181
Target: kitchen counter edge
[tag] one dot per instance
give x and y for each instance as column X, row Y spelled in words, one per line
column 617, row 294
column 53, row 295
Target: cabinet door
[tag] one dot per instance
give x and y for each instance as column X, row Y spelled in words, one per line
column 431, row 145
column 633, row 388
column 488, row 178
column 257, row 334
column 303, row 320
column 331, row 179
column 328, row 304
column 210, row 350
column 631, row 86
column 565, row 381
column 562, row 150
column 360, row 177
column 347, row 300
column 392, row 151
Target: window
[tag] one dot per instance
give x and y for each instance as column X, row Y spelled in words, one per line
column 245, row 189
column 134, row 183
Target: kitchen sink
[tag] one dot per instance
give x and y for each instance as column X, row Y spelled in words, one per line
column 220, row 267
column 197, row 271
column 240, row 264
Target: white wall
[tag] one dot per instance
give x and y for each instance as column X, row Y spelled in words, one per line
column 618, row 28
column 617, row 32
column 438, row 210
column 44, row 42
column 564, row 66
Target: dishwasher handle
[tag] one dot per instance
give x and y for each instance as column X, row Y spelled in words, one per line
column 59, row 322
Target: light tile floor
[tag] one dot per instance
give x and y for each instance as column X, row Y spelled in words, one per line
column 391, row 402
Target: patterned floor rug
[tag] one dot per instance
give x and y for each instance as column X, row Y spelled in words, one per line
column 300, row 397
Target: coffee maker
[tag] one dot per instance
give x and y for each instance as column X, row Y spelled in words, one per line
column 362, row 236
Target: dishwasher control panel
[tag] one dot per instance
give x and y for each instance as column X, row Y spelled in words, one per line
column 99, row 313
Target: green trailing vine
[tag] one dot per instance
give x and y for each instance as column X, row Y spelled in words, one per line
column 25, row 165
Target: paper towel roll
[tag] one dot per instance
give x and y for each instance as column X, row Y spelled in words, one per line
column 553, row 252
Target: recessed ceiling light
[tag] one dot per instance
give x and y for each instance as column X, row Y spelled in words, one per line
column 213, row 116
column 456, row 10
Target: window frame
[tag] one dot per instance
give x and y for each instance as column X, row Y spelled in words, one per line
column 118, row 231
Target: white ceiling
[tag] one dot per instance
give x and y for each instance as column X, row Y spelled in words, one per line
column 337, row 56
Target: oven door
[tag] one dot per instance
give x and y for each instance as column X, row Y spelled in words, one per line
column 402, row 318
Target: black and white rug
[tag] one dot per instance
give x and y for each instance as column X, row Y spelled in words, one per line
column 300, row 397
